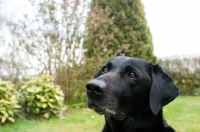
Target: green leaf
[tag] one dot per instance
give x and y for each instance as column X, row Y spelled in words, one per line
column 3, row 119
column 11, row 119
column 4, row 113
column 46, row 115
column 39, row 104
column 37, row 110
column 44, row 105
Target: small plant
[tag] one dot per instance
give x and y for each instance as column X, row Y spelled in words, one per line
column 8, row 102
column 39, row 96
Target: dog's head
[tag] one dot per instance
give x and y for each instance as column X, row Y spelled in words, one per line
column 126, row 85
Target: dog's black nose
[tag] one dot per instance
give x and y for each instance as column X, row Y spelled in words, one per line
column 95, row 87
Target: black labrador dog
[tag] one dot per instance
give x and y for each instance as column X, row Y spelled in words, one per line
column 131, row 92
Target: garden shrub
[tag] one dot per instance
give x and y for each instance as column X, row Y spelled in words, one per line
column 40, row 96
column 8, row 102
column 185, row 71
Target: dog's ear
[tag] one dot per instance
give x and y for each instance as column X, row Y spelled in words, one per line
column 162, row 90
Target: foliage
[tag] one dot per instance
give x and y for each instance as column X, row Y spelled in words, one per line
column 8, row 102
column 118, row 27
column 72, row 81
column 39, row 96
column 50, row 37
column 48, row 40
column 185, row 71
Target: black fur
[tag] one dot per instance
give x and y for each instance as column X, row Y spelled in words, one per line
column 131, row 103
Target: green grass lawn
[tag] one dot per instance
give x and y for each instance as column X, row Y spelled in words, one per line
column 183, row 114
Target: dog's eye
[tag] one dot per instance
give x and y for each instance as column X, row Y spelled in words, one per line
column 132, row 75
column 105, row 70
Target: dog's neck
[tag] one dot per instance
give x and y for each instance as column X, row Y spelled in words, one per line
column 137, row 123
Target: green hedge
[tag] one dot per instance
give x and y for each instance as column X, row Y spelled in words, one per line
column 185, row 71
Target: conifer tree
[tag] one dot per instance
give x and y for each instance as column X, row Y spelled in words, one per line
column 118, row 27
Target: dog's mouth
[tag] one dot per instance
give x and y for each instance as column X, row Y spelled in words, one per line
column 107, row 111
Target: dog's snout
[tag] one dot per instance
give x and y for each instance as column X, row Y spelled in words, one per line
column 95, row 87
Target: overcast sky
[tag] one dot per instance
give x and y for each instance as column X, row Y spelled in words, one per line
column 174, row 24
